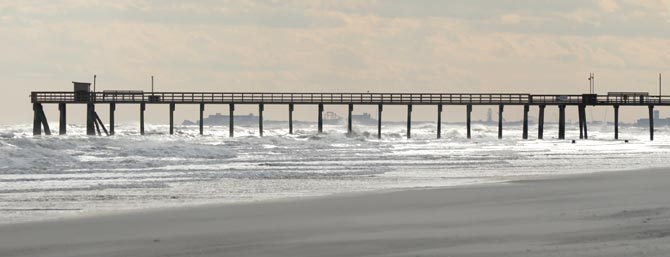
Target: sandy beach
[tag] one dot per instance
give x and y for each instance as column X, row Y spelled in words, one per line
column 604, row 214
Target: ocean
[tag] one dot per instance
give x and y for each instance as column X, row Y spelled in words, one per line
column 52, row 177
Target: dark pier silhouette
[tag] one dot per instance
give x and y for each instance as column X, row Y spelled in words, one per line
column 83, row 95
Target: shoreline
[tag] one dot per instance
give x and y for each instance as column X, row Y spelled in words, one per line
column 594, row 214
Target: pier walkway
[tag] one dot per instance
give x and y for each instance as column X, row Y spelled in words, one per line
column 114, row 97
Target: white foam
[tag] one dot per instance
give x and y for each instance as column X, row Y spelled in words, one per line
column 76, row 173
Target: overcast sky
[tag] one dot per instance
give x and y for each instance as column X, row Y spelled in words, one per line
column 525, row 46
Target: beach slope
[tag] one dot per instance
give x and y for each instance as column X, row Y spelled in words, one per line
column 605, row 214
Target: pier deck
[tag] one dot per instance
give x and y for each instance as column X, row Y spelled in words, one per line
column 342, row 98
column 94, row 123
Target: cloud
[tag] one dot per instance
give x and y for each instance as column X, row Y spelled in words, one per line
column 329, row 45
column 608, row 6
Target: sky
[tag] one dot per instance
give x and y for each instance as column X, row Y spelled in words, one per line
column 513, row 46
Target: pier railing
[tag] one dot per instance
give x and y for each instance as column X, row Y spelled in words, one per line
column 281, row 98
column 341, row 98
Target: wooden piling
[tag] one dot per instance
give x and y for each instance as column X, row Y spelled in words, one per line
column 290, row 118
column 320, row 119
column 112, row 110
column 585, row 124
column 500, row 121
column 201, row 122
column 172, row 108
column 651, row 122
column 561, row 121
column 62, row 122
column 540, row 122
column 409, row 121
column 380, row 108
column 616, row 122
column 468, row 111
column 526, row 109
column 261, row 108
column 349, row 120
column 231, row 120
column 143, row 108
column 439, row 121
column 580, row 109
column 90, row 119
column 37, row 122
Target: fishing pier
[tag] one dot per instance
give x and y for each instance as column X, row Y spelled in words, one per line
column 93, row 100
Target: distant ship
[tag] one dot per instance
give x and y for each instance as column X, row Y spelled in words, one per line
column 220, row 120
column 329, row 118
column 365, row 119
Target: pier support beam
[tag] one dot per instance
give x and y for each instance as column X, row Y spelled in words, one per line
column 40, row 120
column 379, row 121
column 290, row 118
column 616, row 122
column 202, row 114
column 320, row 125
column 468, row 117
column 37, row 121
column 349, row 120
column 231, row 120
column 561, row 121
column 439, row 121
column 143, row 107
column 261, row 108
column 651, row 122
column 526, row 109
column 99, row 124
column 409, row 121
column 112, row 109
column 581, row 122
column 172, row 107
column 62, row 122
column 540, row 122
column 500, row 121
column 45, row 123
column 586, row 124
column 90, row 119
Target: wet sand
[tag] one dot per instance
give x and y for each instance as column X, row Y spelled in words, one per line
column 604, row 214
